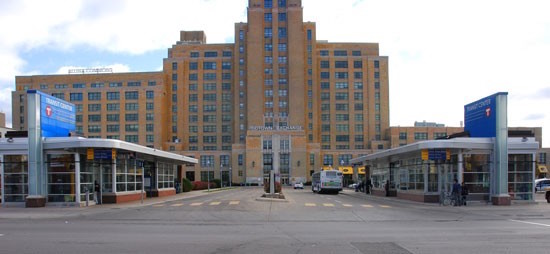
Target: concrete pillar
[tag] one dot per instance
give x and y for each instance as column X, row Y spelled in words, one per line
column 77, row 177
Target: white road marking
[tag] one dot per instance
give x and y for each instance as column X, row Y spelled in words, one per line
column 310, row 204
column 176, row 205
column 1, row 234
column 347, row 205
column 234, row 202
column 195, row 204
column 385, row 206
column 367, row 206
column 215, row 203
column 338, row 201
column 328, row 204
column 532, row 223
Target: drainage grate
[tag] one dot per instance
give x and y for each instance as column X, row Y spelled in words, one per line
column 379, row 248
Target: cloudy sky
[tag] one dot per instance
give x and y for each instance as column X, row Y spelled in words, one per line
column 443, row 54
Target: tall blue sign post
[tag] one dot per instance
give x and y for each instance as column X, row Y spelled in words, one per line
column 488, row 118
column 47, row 117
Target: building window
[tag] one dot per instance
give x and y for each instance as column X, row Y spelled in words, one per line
column 356, row 53
column 341, row 75
column 282, row 16
column 420, row 136
column 340, row 53
column 209, row 65
column 113, row 96
column 341, row 64
column 325, row 75
column 309, row 35
column 268, row 3
column 323, row 53
column 268, row 32
column 94, row 107
column 402, row 136
column 210, row 54
column 132, row 95
column 94, row 96
column 282, row 32
column 376, row 64
column 131, row 117
column 268, row 17
column 325, row 64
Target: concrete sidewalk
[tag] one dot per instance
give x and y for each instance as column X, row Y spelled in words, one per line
column 539, row 200
column 55, row 212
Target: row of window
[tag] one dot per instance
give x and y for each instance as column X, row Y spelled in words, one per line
column 96, row 96
column 209, row 139
column 205, row 76
column 268, row 17
column 338, row 52
column 208, row 54
column 345, row 85
column 97, row 85
column 422, row 135
column 344, row 64
column 345, row 75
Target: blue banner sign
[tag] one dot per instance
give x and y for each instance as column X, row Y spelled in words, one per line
column 438, row 154
column 103, row 154
column 480, row 117
column 58, row 117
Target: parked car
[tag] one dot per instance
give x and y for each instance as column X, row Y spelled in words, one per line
column 541, row 184
column 298, row 185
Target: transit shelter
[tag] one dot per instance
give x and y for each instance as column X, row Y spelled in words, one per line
column 76, row 171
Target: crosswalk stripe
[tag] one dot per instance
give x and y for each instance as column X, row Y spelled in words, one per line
column 215, row 203
column 347, row 205
column 310, row 204
column 177, row 205
column 328, row 204
column 234, row 202
column 195, row 204
column 367, row 206
column 385, row 206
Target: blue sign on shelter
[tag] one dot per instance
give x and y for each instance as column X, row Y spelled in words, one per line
column 57, row 117
column 480, row 117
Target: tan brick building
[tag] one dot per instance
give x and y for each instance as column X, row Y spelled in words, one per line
column 233, row 106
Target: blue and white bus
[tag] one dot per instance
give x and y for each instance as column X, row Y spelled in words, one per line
column 327, row 181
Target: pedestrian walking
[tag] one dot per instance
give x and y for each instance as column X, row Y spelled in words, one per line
column 387, row 188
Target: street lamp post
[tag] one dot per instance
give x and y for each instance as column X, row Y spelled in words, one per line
column 230, row 176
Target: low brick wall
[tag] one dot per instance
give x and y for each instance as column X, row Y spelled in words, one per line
column 418, row 197
column 113, row 198
column 163, row 192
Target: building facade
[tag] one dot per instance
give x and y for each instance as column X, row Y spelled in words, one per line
column 276, row 98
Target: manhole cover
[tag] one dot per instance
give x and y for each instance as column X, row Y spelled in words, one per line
column 380, row 248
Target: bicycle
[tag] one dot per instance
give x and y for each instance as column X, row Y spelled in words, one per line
column 446, row 199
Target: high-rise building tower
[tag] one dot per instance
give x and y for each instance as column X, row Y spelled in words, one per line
column 276, row 98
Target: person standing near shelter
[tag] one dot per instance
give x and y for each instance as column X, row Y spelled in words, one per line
column 456, row 192
column 368, row 186
column 387, row 188
column 96, row 192
column 464, row 192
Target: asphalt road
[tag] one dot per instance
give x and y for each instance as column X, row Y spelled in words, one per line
column 235, row 221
